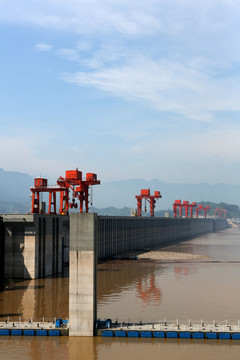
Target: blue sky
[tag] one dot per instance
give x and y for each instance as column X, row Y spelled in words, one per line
column 126, row 89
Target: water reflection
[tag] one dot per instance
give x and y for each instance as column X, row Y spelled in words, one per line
column 184, row 270
column 137, row 349
column 34, row 348
column 115, row 277
column 148, row 290
column 87, row 348
column 83, row 348
column 126, row 294
column 38, row 298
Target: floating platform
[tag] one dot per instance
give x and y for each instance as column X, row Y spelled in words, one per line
column 56, row 327
column 173, row 330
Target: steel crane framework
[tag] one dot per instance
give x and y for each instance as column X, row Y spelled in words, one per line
column 72, row 183
column 145, row 194
column 202, row 208
column 220, row 213
column 178, row 206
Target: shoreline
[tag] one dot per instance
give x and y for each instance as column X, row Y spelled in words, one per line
column 170, row 256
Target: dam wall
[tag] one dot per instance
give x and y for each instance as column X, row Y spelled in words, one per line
column 37, row 245
column 119, row 235
column 220, row 224
column 34, row 245
column 95, row 237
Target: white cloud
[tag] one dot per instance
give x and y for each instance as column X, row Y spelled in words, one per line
column 43, row 47
column 68, row 54
column 166, row 85
column 134, row 17
column 84, row 46
column 84, row 16
column 179, row 57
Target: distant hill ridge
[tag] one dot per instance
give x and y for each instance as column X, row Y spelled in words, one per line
column 14, row 186
column 15, row 191
column 122, row 193
column 233, row 211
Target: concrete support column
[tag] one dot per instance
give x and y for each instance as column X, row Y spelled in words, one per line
column 82, row 274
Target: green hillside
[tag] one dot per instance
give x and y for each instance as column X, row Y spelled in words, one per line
column 233, row 211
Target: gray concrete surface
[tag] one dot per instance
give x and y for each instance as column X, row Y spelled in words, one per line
column 119, row 235
column 82, row 274
column 34, row 245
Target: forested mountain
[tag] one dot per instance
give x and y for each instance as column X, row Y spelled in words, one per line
column 233, row 211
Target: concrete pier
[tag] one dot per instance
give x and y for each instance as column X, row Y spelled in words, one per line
column 82, row 274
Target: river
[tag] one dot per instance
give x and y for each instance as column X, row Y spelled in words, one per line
column 147, row 290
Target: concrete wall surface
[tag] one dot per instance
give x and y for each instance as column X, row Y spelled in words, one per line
column 220, row 224
column 38, row 245
column 82, row 274
column 34, row 245
column 119, row 235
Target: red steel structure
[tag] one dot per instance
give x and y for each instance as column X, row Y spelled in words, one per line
column 178, row 205
column 192, row 206
column 220, row 212
column 202, row 208
column 145, row 194
column 40, row 186
column 71, row 183
column 186, row 206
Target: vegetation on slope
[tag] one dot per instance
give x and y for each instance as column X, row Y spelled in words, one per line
column 233, row 211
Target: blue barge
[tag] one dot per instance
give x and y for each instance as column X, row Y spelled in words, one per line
column 56, row 327
column 170, row 330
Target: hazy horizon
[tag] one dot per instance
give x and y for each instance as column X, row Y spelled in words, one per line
column 15, row 187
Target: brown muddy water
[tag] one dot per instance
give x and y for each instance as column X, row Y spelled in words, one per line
column 147, row 290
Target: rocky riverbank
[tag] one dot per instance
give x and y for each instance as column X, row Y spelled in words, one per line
column 167, row 256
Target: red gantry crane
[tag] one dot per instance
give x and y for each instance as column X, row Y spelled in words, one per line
column 220, row 212
column 178, row 205
column 71, row 183
column 192, row 206
column 202, row 208
column 145, row 194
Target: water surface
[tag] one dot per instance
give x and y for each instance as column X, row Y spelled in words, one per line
column 134, row 290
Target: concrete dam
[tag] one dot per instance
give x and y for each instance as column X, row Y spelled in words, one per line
column 35, row 246
column 119, row 235
column 95, row 237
